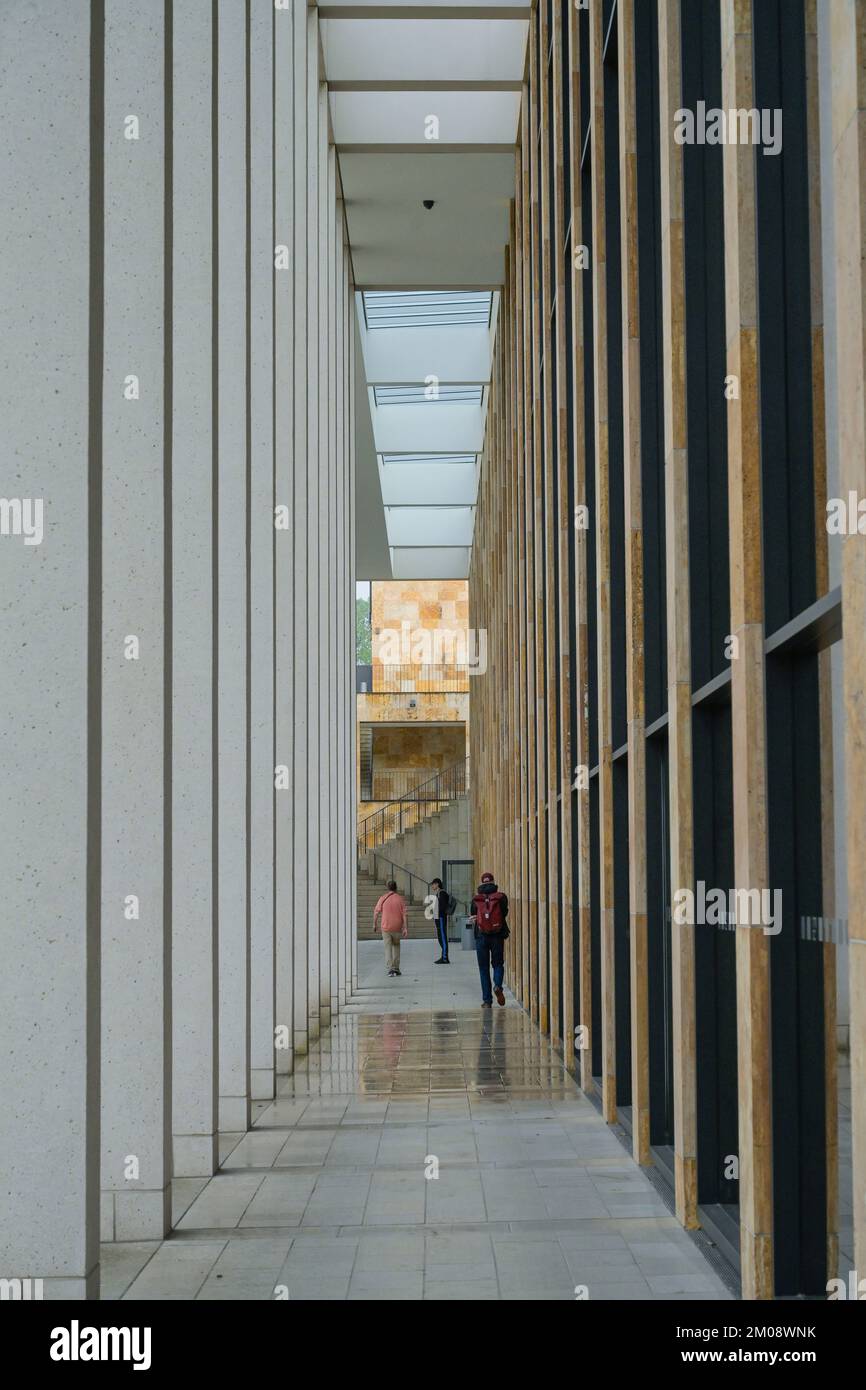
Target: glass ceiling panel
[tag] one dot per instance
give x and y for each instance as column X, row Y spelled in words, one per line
column 430, row 526
column 430, row 309
column 429, row 484
column 417, row 395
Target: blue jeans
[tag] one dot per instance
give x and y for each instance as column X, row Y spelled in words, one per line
column 442, row 934
column 490, row 950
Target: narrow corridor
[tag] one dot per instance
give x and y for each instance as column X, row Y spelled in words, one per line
column 329, row 1196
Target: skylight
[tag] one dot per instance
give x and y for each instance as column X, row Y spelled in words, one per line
column 418, row 395
column 426, row 309
column 428, row 458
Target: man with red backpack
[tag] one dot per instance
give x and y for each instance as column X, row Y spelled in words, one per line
column 491, row 929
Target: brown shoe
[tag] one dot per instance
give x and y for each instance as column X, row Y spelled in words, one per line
column 500, row 994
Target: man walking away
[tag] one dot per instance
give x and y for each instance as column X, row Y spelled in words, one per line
column 441, row 920
column 491, row 930
column 391, row 907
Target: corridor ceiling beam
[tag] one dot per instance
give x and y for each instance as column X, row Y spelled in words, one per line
column 430, row 11
column 426, row 85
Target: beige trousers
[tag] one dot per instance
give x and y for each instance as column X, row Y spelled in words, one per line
column 392, row 949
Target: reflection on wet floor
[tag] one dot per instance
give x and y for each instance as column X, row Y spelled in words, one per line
column 436, row 1053
column 423, row 1149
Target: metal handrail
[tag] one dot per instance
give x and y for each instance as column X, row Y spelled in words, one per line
column 420, row 679
column 405, row 812
column 412, row 877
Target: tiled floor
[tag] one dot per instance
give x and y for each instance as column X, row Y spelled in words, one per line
column 429, row 1149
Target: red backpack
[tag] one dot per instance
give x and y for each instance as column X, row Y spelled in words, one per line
column 488, row 911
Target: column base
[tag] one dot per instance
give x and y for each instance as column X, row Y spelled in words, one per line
column 262, row 1083
column 60, row 1288
column 135, row 1215
column 195, row 1155
column 234, row 1114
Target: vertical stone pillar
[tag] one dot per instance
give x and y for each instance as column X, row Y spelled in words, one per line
column 748, row 693
column 563, row 859
column 345, row 674
column 284, row 502
column 263, row 19
column 136, row 638
column 634, row 599
column 848, row 66
column 194, row 920
column 349, row 590
column 232, row 572
column 603, row 570
column 328, row 589
column 300, row 516
column 338, row 894
column 678, row 627
column 309, row 648
column 51, row 93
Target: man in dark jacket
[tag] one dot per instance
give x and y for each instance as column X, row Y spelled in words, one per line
column 491, row 930
column 440, row 917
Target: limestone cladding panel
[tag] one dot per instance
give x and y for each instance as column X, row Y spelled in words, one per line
column 426, row 605
column 423, row 750
column 440, row 708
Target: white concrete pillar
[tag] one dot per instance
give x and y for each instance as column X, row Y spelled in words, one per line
column 136, row 643
column 262, row 541
column 337, row 906
column 233, row 579
column 284, row 380
column 194, row 921
column 349, row 694
column 310, row 647
column 50, row 655
column 327, row 585
column 345, row 616
column 300, row 766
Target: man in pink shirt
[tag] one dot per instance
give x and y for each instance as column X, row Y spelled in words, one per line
column 391, row 907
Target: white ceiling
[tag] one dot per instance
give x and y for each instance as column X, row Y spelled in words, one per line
column 397, row 243
column 391, row 68
column 395, row 118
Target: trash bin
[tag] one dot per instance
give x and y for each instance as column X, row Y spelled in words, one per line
column 467, row 931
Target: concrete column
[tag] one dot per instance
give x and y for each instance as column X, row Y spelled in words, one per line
column 262, row 540
column 327, row 586
column 316, row 484
column 300, row 515
column 349, row 692
column 50, row 90
column 284, row 588
column 233, row 579
column 194, row 921
column 346, row 673
column 337, row 674
column 136, row 641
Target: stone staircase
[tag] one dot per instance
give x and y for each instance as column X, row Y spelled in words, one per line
column 423, row 849
column 369, row 893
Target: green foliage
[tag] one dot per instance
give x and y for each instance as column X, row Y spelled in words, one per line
column 363, row 633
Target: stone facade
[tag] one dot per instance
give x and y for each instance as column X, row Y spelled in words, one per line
column 413, row 621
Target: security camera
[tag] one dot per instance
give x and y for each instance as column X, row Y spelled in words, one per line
column 429, row 203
